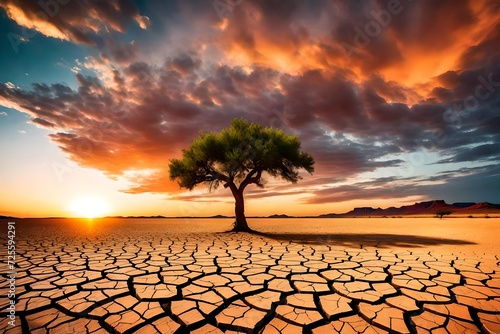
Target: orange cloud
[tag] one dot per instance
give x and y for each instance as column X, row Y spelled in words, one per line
column 77, row 21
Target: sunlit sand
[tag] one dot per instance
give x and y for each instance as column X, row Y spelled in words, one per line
column 371, row 275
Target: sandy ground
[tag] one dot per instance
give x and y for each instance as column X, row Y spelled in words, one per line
column 364, row 275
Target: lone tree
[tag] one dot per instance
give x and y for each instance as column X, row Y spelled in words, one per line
column 237, row 157
column 442, row 213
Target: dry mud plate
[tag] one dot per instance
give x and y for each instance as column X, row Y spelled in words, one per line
column 152, row 281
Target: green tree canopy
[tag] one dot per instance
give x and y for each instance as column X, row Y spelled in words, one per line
column 238, row 156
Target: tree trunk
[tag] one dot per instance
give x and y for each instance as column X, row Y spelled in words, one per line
column 240, row 225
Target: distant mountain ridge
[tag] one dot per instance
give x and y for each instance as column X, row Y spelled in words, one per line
column 419, row 208
column 8, row 217
column 429, row 207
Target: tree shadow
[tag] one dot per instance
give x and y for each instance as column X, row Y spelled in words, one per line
column 360, row 240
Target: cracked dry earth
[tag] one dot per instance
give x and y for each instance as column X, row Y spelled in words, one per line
column 213, row 283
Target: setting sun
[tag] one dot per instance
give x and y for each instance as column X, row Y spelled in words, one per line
column 89, row 207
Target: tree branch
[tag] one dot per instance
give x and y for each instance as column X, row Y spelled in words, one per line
column 250, row 178
column 212, row 175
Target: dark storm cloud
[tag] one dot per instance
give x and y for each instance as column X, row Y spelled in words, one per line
column 485, row 152
column 481, row 186
column 466, row 184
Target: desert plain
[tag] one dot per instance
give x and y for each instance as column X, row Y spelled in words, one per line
column 346, row 275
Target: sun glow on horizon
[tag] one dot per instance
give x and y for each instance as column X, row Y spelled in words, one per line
column 89, row 207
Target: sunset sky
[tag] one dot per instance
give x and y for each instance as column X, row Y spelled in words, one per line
column 397, row 101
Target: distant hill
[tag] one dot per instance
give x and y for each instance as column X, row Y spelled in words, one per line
column 483, row 207
column 330, row 215
column 134, row 217
column 280, row 216
column 463, row 205
column 8, row 217
column 421, row 208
